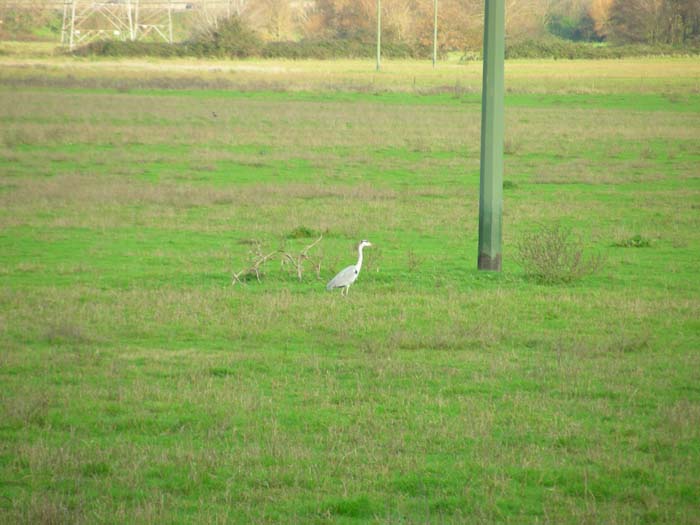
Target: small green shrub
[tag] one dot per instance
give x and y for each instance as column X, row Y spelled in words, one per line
column 552, row 255
column 302, row 232
column 96, row 469
column 360, row 507
column 636, row 241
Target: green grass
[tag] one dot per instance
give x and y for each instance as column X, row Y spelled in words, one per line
column 140, row 386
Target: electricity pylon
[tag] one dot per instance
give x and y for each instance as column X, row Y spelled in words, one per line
column 88, row 20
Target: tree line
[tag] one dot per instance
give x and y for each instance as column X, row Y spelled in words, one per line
column 408, row 24
column 460, row 22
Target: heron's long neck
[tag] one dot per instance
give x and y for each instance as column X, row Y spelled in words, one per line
column 359, row 258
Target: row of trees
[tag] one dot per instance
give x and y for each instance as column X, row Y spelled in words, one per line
column 407, row 21
column 674, row 22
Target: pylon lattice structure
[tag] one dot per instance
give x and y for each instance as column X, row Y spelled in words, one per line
column 88, row 20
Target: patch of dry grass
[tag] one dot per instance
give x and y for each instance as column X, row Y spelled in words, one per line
column 677, row 75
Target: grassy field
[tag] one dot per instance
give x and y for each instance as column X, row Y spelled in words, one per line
column 139, row 385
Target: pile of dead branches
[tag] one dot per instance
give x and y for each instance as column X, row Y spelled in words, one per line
column 291, row 262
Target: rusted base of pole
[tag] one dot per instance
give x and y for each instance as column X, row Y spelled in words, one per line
column 486, row 262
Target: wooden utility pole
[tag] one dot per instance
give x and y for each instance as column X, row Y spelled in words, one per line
column 379, row 34
column 492, row 124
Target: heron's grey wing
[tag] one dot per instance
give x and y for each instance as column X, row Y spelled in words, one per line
column 344, row 278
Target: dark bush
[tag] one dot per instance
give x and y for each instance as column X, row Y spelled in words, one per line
column 580, row 28
column 231, row 38
column 553, row 255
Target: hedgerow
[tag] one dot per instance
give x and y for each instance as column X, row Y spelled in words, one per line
column 231, row 38
column 566, row 49
column 303, row 49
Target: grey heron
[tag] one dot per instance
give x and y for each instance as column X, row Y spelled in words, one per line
column 349, row 275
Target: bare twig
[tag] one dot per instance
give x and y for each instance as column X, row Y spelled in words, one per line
column 306, row 250
column 258, row 261
column 296, row 260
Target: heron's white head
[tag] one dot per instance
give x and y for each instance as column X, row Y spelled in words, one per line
column 364, row 243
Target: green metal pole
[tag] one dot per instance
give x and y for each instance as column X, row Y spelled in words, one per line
column 379, row 34
column 492, row 123
column 435, row 9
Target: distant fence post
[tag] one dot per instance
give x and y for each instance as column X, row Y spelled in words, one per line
column 492, row 124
